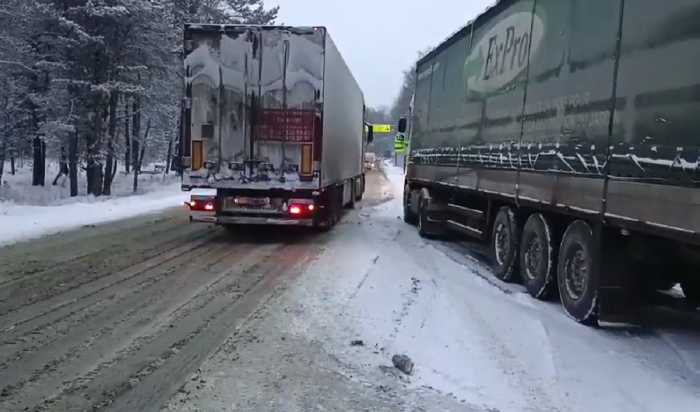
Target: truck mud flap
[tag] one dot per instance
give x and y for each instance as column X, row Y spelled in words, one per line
column 618, row 305
column 619, row 299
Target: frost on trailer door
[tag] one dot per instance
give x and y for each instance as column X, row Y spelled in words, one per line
column 255, row 106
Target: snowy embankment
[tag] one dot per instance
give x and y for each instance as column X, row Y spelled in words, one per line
column 473, row 344
column 28, row 211
column 18, row 188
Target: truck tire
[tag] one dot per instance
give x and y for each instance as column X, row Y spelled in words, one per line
column 332, row 200
column 691, row 291
column 576, row 277
column 538, row 257
column 408, row 215
column 361, row 189
column 423, row 224
column 505, row 241
column 337, row 208
column 353, row 195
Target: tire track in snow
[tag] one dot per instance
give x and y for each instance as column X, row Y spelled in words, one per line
column 61, row 341
column 64, row 278
column 144, row 350
column 362, row 282
column 129, row 331
column 22, row 266
column 67, row 302
column 509, row 362
column 72, row 245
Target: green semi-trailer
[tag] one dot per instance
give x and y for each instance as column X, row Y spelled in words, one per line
column 566, row 133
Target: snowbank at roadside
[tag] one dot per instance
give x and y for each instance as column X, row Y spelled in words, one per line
column 18, row 188
column 28, row 211
column 395, row 175
column 20, row 222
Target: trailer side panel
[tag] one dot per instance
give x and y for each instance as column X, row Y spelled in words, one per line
column 343, row 120
column 553, row 110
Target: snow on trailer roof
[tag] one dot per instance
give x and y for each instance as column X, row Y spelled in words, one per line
column 224, row 27
column 461, row 32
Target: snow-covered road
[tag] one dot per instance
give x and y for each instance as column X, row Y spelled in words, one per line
column 117, row 317
column 477, row 345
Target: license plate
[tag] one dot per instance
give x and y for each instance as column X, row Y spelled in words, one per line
column 252, row 201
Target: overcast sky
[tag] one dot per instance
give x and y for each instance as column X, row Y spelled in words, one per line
column 381, row 38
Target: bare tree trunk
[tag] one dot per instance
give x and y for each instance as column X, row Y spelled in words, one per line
column 179, row 143
column 169, row 157
column 143, row 143
column 39, row 170
column 139, row 156
column 94, row 169
column 112, row 128
column 136, row 134
column 2, row 160
column 127, row 139
column 12, row 162
column 114, row 169
column 88, row 165
column 73, row 164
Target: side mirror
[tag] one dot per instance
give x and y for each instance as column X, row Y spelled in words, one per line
column 401, row 127
column 370, row 133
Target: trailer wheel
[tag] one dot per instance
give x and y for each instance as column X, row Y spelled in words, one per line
column 408, row 215
column 691, row 291
column 576, row 274
column 337, row 208
column 353, row 196
column 538, row 255
column 362, row 189
column 504, row 244
column 423, row 216
column 359, row 188
column 330, row 214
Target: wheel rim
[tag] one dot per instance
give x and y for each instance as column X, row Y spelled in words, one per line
column 533, row 256
column 501, row 243
column 576, row 272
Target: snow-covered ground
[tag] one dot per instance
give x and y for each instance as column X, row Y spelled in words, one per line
column 30, row 211
column 18, row 188
column 476, row 346
column 486, row 346
column 18, row 222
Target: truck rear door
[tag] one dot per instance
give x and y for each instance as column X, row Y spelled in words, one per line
column 256, row 106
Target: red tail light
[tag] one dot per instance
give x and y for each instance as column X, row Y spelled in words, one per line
column 300, row 209
column 206, row 204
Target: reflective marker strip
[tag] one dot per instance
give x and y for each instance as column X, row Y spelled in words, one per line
column 306, row 159
column 197, row 154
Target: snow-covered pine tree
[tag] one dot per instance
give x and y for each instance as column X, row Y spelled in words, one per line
column 79, row 73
